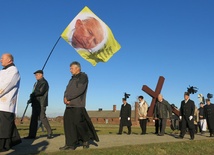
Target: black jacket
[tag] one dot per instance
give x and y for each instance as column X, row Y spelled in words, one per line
column 187, row 109
column 201, row 113
column 39, row 95
column 76, row 90
column 125, row 112
column 163, row 110
column 209, row 115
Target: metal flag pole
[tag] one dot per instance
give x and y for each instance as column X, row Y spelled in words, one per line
column 42, row 69
column 51, row 52
column 24, row 113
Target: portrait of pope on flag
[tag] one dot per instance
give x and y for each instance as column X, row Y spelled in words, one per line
column 91, row 37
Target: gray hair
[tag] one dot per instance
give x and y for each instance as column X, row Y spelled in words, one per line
column 76, row 63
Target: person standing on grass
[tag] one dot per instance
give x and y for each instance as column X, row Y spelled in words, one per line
column 9, row 87
column 209, row 115
column 142, row 111
column 162, row 112
column 39, row 100
column 202, row 119
column 125, row 117
column 186, row 116
column 77, row 124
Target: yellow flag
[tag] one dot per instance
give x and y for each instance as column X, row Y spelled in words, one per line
column 91, row 37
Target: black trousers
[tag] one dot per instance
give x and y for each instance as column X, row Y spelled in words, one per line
column 186, row 123
column 157, row 126
column 162, row 125
column 38, row 112
column 121, row 129
column 75, row 126
column 143, row 123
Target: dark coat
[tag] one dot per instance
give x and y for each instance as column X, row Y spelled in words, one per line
column 39, row 96
column 187, row 110
column 76, row 90
column 209, row 115
column 201, row 113
column 125, row 112
column 163, row 110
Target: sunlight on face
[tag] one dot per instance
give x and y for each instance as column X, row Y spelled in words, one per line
column 160, row 98
column 38, row 76
column 74, row 69
column 5, row 60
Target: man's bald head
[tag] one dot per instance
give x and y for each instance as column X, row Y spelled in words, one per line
column 6, row 59
column 160, row 97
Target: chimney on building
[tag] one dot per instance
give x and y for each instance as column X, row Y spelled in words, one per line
column 114, row 108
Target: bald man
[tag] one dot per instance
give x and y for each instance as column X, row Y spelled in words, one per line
column 162, row 112
column 9, row 86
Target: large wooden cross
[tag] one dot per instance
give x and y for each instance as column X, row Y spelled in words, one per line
column 153, row 94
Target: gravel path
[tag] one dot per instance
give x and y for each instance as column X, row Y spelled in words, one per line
column 52, row 145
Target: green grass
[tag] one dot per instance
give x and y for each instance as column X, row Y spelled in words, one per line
column 102, row 129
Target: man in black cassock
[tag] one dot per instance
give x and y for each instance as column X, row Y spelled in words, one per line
column 125, row 117
column 209, row 115
column 186, row 116
column 9, row 86
column 77, row 124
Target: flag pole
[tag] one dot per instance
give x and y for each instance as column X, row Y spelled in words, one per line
column 51, row 52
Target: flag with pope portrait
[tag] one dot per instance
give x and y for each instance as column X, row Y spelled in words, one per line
column 91, row 37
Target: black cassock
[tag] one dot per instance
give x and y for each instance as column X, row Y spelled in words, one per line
column 209, row 115
column 9, row 135
column 125, row 112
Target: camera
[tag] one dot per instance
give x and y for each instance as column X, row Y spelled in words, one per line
column 209, row 95
column 126, row 95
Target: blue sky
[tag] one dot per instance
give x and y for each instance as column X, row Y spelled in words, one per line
column 170, row 38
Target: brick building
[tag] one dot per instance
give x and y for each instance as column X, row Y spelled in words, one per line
column 112, row 116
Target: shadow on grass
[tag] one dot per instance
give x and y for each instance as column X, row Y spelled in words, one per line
column 27, row 147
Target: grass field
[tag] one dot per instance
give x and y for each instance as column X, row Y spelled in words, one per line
column 196, row 147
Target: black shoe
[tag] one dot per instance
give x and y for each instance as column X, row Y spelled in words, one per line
column 129, row 133
column 85, row 145
column 50, row 136
column 29, row 137
column 119, row 133
column 67, row 148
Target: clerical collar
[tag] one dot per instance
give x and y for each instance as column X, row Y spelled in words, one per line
column 12, row 64
column 186, row 100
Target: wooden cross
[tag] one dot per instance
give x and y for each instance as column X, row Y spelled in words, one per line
column 153, row 94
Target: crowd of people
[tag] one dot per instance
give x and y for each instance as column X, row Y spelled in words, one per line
column 191, row 118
